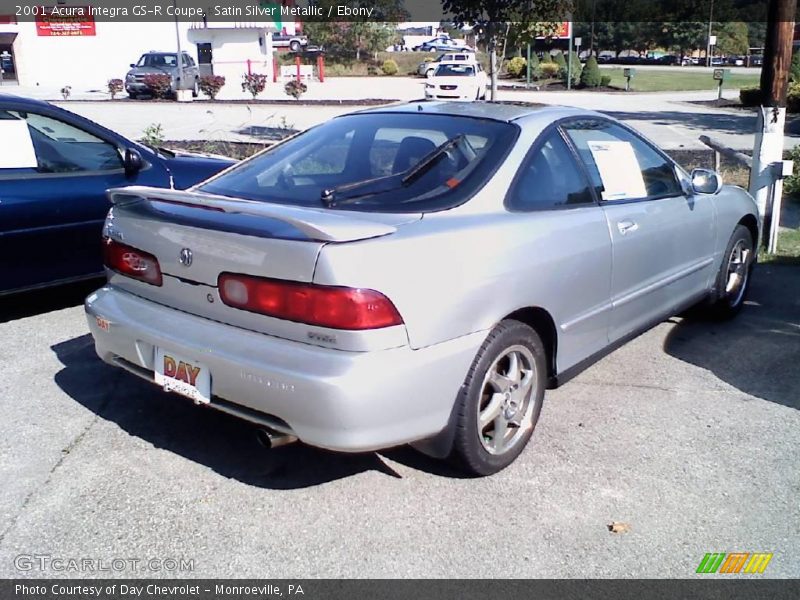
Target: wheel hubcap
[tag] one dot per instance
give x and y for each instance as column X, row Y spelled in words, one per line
column 738, row 272
column 505, row 409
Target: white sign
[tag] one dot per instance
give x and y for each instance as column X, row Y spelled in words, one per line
column 619, row 170
column 290, row 72
column 578, row 42
column 16, row 151
column 712, row 40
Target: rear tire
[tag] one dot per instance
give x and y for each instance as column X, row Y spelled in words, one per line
column 499, row 403
column 733, row 280
column 133, row 95
column 294, row 46
column 196, row 88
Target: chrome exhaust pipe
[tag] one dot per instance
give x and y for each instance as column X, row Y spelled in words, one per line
column 274, row 439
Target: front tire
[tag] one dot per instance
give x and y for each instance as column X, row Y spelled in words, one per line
column 499, row 404
column 294, row 46
column 733, row 279
column 196, row 88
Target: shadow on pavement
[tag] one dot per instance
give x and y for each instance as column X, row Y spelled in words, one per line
column 224, row 444
column 28, row 304
column 759, row 351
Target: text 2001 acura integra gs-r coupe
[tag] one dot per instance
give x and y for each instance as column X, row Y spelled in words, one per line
column 416, row 273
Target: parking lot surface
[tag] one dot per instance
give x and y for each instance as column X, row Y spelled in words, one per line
column 689, row 435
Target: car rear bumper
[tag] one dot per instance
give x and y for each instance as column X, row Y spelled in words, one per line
column 347, row 401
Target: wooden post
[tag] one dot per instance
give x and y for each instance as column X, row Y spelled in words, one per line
column 772, row 113
column 297, row 63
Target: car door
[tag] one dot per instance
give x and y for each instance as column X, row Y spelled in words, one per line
column 566, row 258
column 662, row 238
column 52, row 207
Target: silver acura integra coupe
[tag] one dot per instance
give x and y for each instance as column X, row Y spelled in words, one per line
column 415, row 274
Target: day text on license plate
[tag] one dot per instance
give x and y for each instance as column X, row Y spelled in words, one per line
column 182, row 375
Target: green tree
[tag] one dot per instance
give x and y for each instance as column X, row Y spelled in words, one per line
column 349, row 39
column 794, row 69
column 494, row 19
column 733, row 38
column 590, row 76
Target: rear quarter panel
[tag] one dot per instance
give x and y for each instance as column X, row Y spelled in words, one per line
column 459, row 274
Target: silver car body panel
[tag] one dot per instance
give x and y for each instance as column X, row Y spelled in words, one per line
column 452, row 275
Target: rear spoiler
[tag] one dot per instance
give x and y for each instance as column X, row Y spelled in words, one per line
column 319, row 224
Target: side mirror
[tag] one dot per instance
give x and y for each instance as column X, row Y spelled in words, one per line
column 705, row 181
column 132, row 162
column 133, row 65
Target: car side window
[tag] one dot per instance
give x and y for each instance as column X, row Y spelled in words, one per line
column 550, row 178
column 63, row 148
column 605, row 148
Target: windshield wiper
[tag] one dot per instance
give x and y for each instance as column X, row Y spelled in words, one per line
column 344, row 194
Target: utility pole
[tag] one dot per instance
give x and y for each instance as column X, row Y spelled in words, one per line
column 180, row 82
column 768, row 150
column 710, row 23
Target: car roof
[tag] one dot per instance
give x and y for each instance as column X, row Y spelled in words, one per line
column 5, row 97
column 497, row 111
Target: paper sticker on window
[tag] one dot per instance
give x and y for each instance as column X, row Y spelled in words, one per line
column 16, row 151
column 619, row 170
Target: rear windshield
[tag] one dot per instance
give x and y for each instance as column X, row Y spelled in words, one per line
column 383, row 162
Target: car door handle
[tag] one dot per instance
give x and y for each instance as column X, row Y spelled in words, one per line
column 627, row 226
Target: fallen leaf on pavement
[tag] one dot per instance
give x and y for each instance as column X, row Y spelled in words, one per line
column 617, row 527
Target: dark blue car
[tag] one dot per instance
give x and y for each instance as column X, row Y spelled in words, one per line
column 55, row 168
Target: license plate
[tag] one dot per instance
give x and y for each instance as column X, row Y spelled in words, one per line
column 183, row 375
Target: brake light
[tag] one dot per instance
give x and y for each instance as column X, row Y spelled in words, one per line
column 325, row 306
column 131, row 262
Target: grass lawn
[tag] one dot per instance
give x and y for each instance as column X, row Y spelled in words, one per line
column 675, row 80
column 788, row 249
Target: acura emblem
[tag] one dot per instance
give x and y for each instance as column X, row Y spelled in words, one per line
column 186, row 257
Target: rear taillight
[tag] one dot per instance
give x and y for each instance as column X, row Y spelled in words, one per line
column 132, row 262
column 325, row 306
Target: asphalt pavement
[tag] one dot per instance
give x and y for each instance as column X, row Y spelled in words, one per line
column 689, row 436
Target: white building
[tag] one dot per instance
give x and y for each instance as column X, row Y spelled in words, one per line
column 85, row 53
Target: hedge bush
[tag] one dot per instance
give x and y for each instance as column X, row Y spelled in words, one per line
column 254, row 83
column 750, row 96
column 605, row 80
column 791, row 185
column 390, row 67
column 295, row 88
column 576, row 69
column 516, row 66
column 548, row 70
column 793, row 98
column 591, row 76
column 210, row 85
column 794, row 69
column 159, row 84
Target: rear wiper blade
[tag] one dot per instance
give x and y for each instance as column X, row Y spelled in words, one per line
column 370, row 187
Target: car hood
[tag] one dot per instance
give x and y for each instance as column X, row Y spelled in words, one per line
column 457, row 80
